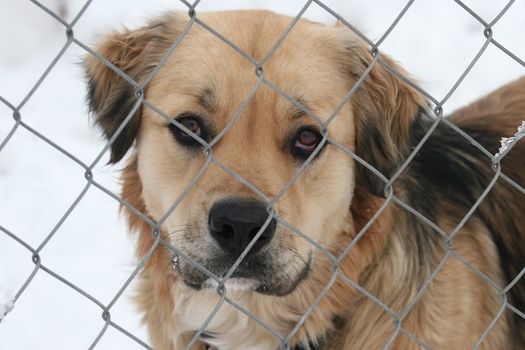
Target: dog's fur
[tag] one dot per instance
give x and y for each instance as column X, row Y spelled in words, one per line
column 330, row 202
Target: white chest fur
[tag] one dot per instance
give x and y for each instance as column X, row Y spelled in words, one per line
column 229, row 329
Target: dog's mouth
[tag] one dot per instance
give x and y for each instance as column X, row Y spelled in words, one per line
column 258, row 274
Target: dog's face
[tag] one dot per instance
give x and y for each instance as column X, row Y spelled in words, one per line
column 205, row 86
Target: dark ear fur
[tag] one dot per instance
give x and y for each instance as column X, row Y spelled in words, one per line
column 384, row 108
column 110, row 97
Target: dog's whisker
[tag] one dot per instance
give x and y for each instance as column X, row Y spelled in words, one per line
column 204, row 189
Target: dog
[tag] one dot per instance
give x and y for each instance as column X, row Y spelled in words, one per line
column 339, row 244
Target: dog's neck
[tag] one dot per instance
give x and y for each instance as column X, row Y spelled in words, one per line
column 230, row 328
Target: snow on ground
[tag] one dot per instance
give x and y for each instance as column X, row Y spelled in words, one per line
column 6, row 304
column 435, row 41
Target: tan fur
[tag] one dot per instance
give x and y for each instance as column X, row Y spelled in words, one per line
column 331, row 202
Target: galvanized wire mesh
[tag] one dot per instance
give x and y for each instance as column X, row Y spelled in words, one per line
column 259, row 72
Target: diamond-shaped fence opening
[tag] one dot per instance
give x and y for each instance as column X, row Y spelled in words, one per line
column 396, row 320
column 453, row 48
column 32, row 164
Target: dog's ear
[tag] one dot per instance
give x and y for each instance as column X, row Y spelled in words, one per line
column 385, row 108
column 136, row 53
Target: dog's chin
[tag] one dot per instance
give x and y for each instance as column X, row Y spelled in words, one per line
column 249, row 277
column 233, row 284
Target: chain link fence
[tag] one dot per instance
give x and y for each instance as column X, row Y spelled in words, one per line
column 258, row 66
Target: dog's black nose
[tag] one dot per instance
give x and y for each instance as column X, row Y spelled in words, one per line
column 234, row 223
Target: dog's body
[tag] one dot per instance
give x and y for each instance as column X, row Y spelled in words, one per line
column 202, row 85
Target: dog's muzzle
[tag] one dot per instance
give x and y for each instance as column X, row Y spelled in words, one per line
column 237, row 226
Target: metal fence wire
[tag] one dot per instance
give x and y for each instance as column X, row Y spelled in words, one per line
column 258, row 65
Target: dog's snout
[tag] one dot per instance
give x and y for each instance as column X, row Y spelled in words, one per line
column 234, row 223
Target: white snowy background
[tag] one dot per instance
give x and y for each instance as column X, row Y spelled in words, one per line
column 435, row 41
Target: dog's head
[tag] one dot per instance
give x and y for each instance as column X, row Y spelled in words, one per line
column 214, row 201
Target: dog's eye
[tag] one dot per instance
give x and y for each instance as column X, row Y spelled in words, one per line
column 306, row 142
column 191, row 123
